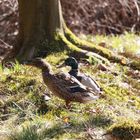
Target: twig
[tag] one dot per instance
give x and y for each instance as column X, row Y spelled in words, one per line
column 3, row 17
column 5, row 115
column 9, row 46
column 138, row 15
column 18, row 106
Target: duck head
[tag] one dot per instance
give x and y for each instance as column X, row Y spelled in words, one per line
column 39, row 63
column 70, row 61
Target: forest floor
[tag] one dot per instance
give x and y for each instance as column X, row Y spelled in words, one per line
column 24, row 115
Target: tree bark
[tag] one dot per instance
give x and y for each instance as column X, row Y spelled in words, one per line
column 38, row 22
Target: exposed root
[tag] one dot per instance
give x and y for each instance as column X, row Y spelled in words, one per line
column 106, row 53
column 91, row 47
column 79, row 52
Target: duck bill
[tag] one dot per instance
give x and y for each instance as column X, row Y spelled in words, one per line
column 61, row 65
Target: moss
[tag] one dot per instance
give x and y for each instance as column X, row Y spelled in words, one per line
column 69, row 45
column 83, row 44
column 75, row 40
column 135, row 64
column 125, row 129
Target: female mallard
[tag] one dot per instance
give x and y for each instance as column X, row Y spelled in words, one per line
column 63, row 85
column 83, row 78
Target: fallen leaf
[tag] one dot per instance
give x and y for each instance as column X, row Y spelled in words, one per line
column 66, row 120
column 102, row 44
column 123, row 61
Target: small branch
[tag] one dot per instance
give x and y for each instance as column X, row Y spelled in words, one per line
column 18, row 106
column 138, row 16
column 7, row 45
column 7, row 115
column 5, row 16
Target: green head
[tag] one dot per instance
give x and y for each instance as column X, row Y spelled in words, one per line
column 72, row 62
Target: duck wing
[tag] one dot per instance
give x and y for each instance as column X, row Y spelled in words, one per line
column 72, row 89
column 91, row 83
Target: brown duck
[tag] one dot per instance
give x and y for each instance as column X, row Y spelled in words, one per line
column 63, row 85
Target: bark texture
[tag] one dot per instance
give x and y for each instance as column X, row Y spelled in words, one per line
column 38, row 22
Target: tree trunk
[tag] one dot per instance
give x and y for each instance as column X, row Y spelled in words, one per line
column 38, row 22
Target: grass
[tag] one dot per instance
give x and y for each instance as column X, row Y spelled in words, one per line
column 24, row 115
column 127, row 44
column 124, row 130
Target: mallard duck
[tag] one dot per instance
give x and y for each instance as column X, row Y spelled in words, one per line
column 63, row 85
column 83, row 78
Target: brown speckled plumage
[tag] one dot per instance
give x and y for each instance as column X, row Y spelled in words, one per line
column 63, row 85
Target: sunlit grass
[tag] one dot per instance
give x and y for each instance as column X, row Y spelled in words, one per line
column 125, row 129
column 25, row 115
column 128, row 43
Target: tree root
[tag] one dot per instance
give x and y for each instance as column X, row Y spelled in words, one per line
column 79, row 52
column 91, row 47
column 100, row 51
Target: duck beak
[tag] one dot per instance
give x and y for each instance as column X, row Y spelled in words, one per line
column 61, row 65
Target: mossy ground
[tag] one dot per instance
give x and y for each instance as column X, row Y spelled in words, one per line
column 24, row 115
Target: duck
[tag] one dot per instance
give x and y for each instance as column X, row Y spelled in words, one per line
column 85, row 79
column 63, row 85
